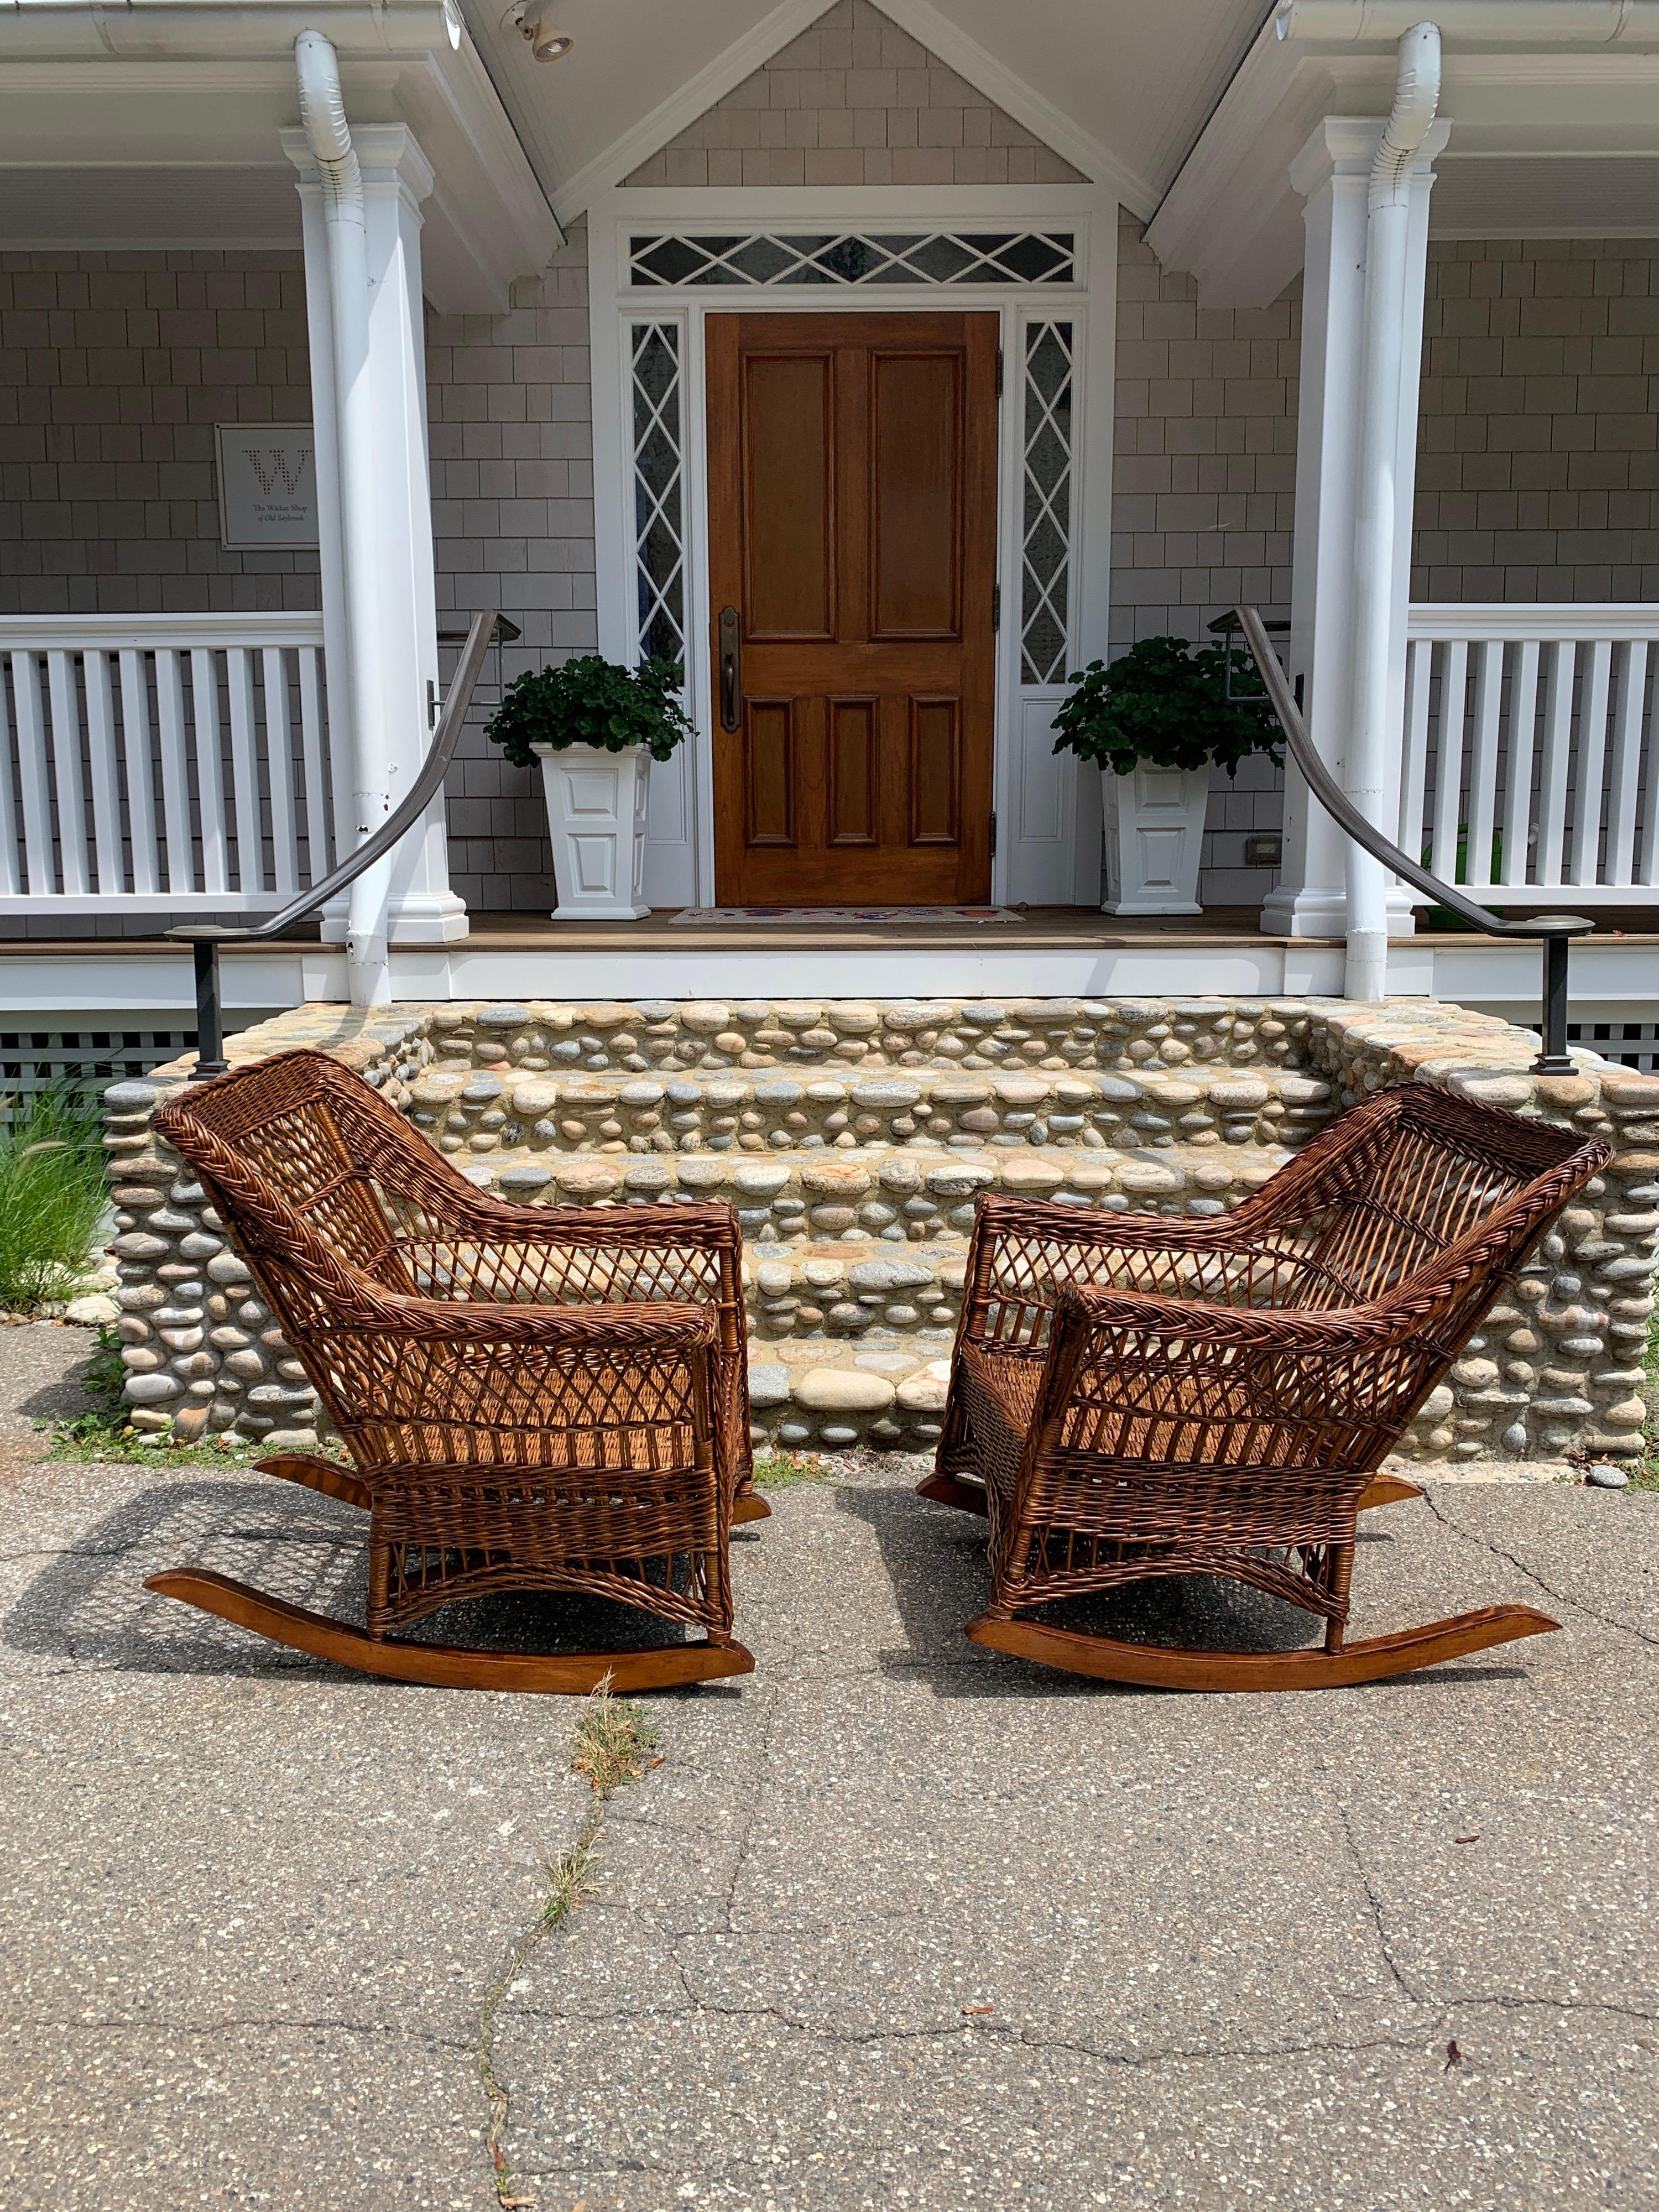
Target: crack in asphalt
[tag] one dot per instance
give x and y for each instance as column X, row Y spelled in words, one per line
column 1375, row 1904
column 1560, row 1596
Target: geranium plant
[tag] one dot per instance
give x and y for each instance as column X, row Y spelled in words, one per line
column 1166, row 702
column 591, row 701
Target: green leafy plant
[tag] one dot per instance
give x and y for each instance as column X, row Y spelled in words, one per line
column 1165, row 701
column 52, row 1195
column 591, row 701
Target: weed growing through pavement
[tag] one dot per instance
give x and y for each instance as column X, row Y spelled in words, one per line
column 104, row 1432
column 786, row 1470
column 615, row 1743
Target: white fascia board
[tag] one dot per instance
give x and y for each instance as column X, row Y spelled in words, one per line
column 1231, row 221
column 1585, row 23
column 694, row 97
column 210, row 82
column 1060, row 132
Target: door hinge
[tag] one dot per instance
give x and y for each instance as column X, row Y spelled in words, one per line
column 996, row 607
column 999, row 372
column 994, row 835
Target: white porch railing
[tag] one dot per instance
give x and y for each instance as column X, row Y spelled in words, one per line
column 1530, row 762
column 165, row 764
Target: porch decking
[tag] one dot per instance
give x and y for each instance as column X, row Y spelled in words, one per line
column 1049, row 952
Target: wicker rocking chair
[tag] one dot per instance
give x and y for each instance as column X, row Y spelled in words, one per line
column 1134, row 1397
column 535, row 1398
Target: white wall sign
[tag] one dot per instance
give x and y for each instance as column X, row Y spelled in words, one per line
column 267, row 486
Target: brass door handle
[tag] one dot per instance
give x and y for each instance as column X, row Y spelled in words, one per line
column 730, row 672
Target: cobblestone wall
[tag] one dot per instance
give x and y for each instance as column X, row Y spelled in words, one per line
column 854, row 1136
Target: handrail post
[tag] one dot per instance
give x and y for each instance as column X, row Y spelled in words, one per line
column 1553, row 1061
column 209, row 1022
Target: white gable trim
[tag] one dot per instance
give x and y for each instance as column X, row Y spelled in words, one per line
column 694, row 97
column 1057, row 130
column 774, row 32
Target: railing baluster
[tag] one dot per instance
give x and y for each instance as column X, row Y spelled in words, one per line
column 279, row 760
column 175, row 782
column 1517, row 800
column 66, row 772
column 1557, row 746
column 1624, row 782
column 1592, row 757
column 1448, row 766
column 32, row 773
column 1482, row 769
column 1420, row 668
column 106, row 782
column 245, row 770
column 209, row 768
column 321, row 851
column 1650, row 793
column 10, row 875
column 141, row 793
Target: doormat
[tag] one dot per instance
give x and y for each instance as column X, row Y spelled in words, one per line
column 718, row 916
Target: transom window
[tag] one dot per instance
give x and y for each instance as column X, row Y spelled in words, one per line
column 976, row 256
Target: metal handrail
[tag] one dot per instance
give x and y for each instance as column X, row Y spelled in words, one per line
column 1554, row 931
column 204, row 938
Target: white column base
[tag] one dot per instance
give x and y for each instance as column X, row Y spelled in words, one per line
column 596, row 821
column 416, row 918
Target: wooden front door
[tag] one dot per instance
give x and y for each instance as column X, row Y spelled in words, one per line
column 852, row 517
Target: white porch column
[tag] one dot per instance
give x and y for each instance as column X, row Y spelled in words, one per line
column 398, row 617
column 1332, row 175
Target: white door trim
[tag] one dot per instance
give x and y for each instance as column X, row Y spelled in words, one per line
column 1048, row 813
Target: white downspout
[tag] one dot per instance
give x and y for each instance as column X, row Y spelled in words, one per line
column 1388, row 227
column 322, row 113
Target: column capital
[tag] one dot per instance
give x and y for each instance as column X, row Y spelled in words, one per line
column 387, row 153
column 1346, row 146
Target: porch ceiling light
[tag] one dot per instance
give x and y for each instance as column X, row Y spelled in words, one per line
column 546, row 43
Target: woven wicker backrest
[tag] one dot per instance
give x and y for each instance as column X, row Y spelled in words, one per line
column 1411, row 1177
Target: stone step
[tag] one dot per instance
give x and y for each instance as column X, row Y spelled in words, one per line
column 484, row 1112
column 906, row 1194
column 668, row 1035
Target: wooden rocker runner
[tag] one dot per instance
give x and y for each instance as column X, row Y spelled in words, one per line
column 1134, row 1397
column 534, row 1398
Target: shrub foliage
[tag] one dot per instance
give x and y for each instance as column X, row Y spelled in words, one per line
column 1166, row 703
column 591, row 701
column 52, row 1196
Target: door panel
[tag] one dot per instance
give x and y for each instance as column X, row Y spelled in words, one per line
column 852, row 502
column 788, row 436
column 915, row 494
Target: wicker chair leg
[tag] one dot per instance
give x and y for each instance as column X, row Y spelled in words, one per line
column 1159, row 1667
column 449, row 1666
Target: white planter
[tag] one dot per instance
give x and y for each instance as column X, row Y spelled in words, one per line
column 1154, row 839
column 596, row 819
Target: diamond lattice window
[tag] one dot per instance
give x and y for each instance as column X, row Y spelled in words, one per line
column 1046, row 518
column 978, row 257
column 658, row 491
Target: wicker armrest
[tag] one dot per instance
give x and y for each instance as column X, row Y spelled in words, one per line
column 648, row 1327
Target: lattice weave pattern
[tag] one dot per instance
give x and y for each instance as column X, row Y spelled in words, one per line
column 1146, row 1396
column 535, row 1398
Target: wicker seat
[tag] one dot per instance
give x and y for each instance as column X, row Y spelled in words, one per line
column 1135, row 1396
column 533, row 1398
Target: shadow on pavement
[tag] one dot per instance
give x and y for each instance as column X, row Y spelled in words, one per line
column 89, row 1604
column 935, row 1559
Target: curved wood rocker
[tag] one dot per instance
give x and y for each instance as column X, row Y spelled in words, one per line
column 1140, row 1397
column 533, row 1398
column 448, row 1666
